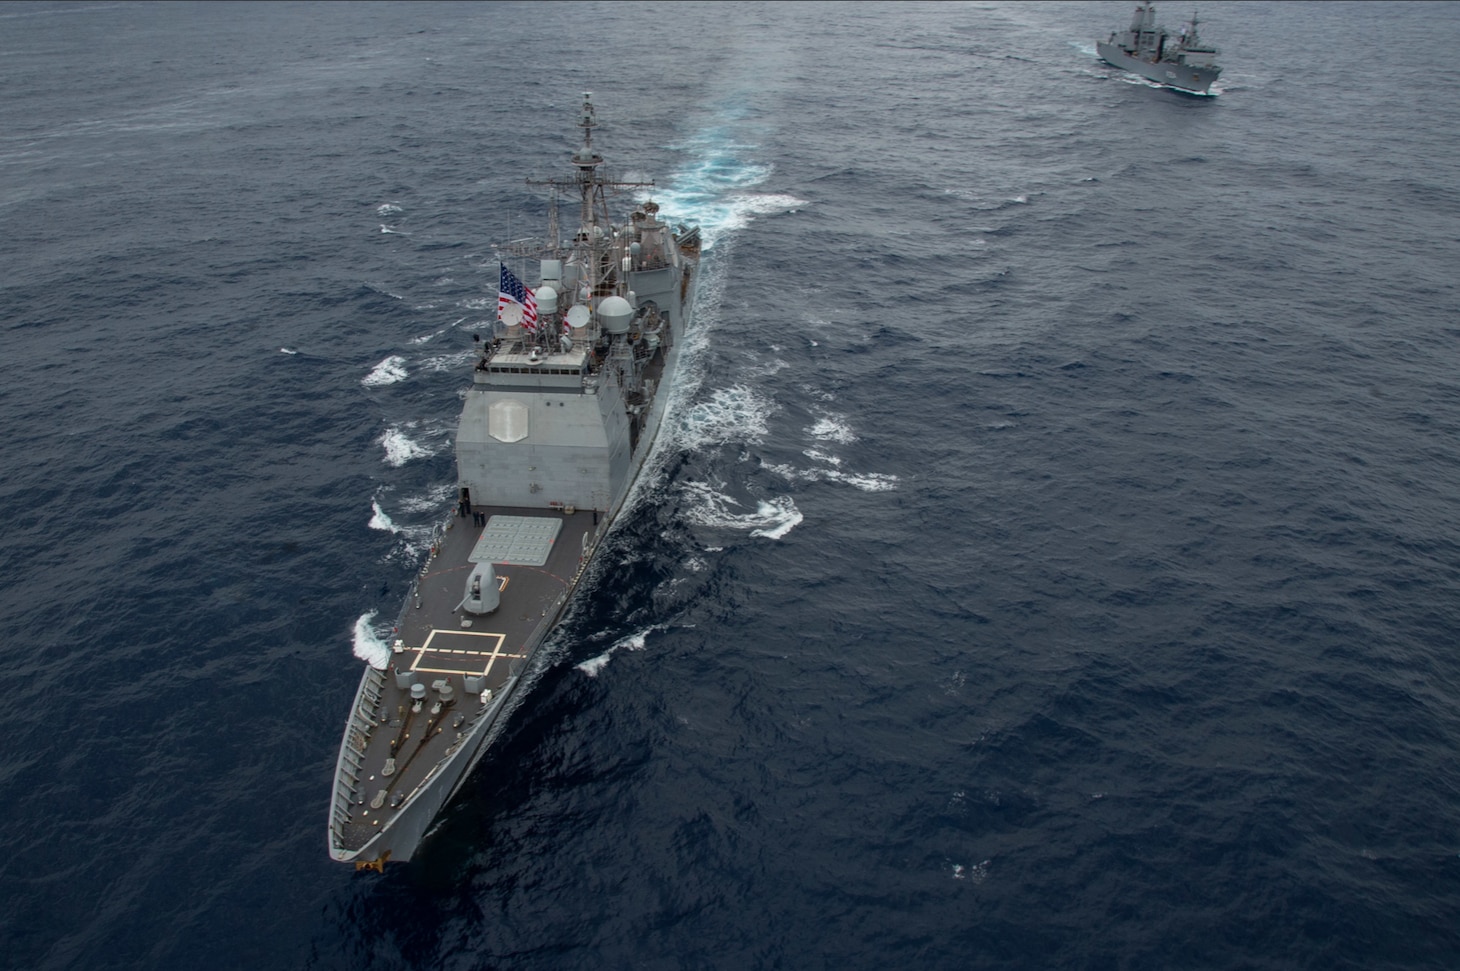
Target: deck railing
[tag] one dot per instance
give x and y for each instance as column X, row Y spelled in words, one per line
column 352, row 748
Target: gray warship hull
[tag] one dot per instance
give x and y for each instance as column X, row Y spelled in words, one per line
column 1195, row 79
column 563, row 413
column 1175, row 59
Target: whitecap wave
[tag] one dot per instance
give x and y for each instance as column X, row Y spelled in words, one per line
column 772, row 367
column 780, row 516
column 451, row 363
column 399, row 449
column 634, row 642
column 866, row 481
column 816, row 456
column 388, row 371
column 289, row 351
column 772, row 518
column 379, row 520
column 388, row 209
column 433, row 500
column 369, row 647
column 832, row 428
column 426, row 338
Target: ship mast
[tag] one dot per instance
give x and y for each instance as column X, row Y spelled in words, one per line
column 588, row 162
column 594, row 235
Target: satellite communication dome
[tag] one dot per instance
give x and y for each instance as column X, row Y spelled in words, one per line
column 614, row 313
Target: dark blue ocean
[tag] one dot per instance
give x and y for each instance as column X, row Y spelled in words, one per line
column 1053, row 561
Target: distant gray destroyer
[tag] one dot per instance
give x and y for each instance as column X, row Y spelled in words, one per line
column 566, row 399
column 1148, row 50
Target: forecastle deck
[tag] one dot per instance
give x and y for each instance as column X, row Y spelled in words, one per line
column 457, row 664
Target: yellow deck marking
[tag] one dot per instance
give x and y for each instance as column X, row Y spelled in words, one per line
column 484, row 659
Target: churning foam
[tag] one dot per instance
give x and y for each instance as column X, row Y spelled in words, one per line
column 379, row 520
column 399, row 449
column 866, row 481
column 449, row 362
column 432, row 500
column 772, row 518
column 816, row 456
column 427, row 338
column 368, row 645
column 713, row 189
column 734, row 414
column 832, row 428
column 388, row 371
column 634, row 642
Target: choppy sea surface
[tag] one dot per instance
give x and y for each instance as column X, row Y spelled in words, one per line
column 1053, row 560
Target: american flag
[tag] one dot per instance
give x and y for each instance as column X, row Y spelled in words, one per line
column 511, row 290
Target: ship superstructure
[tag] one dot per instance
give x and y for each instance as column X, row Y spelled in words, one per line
column 567, row 396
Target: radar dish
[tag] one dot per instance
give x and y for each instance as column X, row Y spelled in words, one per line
column 578, row 316
column 512, row 314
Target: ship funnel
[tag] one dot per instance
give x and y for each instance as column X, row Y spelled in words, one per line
column 482, row 594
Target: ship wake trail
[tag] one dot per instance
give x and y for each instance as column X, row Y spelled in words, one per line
column 716, row 189
column 721, row 189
